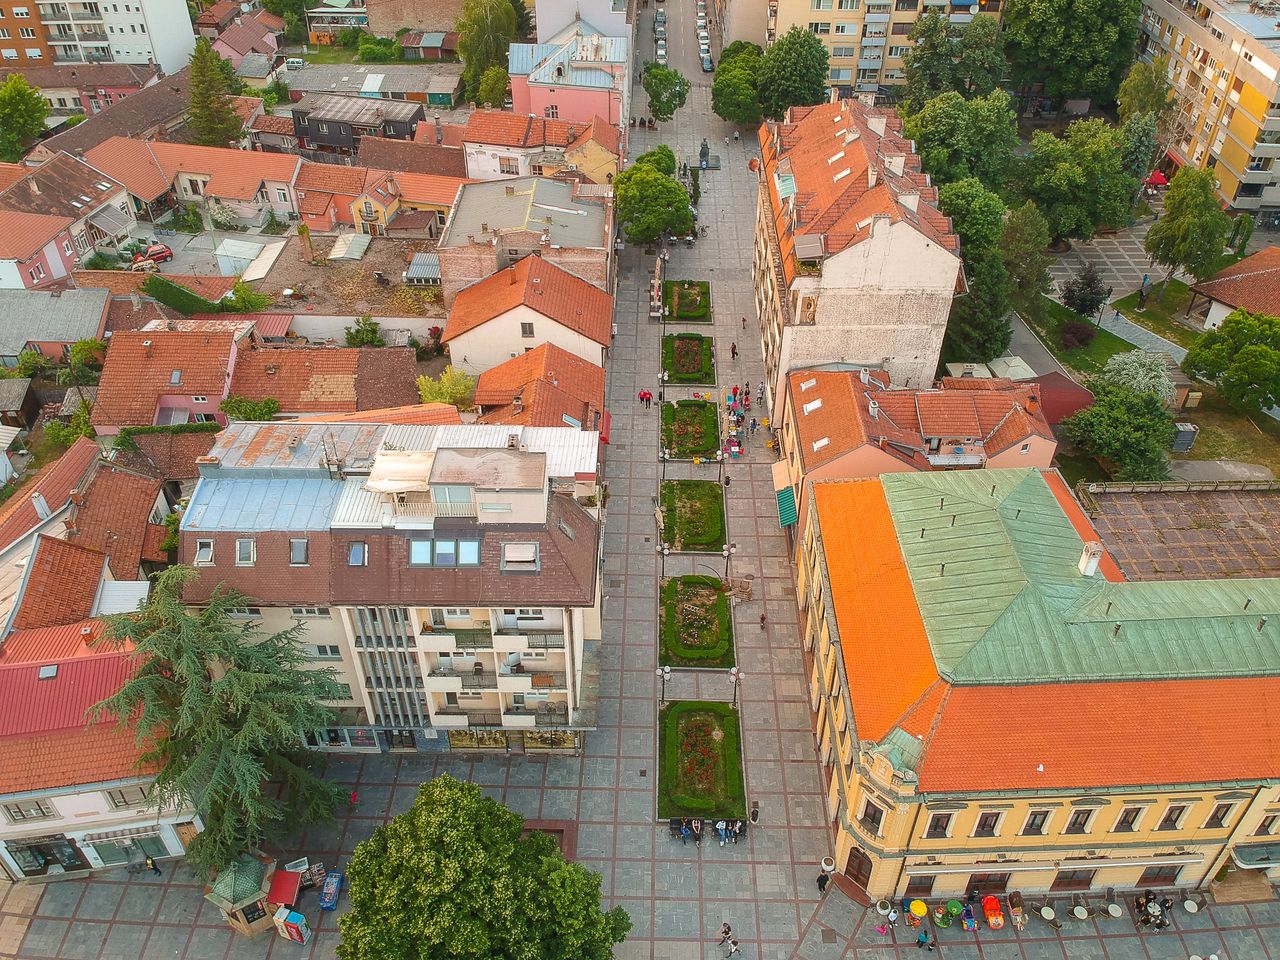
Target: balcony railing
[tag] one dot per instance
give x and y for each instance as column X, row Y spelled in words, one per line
column 472, row 639
column 539, row 639
column 539, row 679
column 775, row 258
column 470, row 679
column 474, row 718
column 425, row 509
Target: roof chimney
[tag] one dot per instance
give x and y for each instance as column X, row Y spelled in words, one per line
column 518, row 402
column 41, row 505
column 35, row 187
column 1090, row 557
column 863, row 376
column 873, row 408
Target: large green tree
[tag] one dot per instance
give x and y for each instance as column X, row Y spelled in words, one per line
column 661, row 158
column 493, row 87
column 221, row 710
column 524, row 19
column 981, row 65
column 1076, row 48
column 1146, row 89
column 734, row 92
column 485, row 31
column 1243, row 358
column 210, row 117
column 22, row 115
column 930, row 64
column 1193, row 230
column 793, row 73
column 958, row 138
column 667, row 89
column 455, row 878
column 978, row 328
column 1131, row 429
column 977, row 215
column 1024, row 244
column 649, row 203
column 1138, row 145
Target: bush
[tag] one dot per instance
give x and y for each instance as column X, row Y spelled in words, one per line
column 178, row 297
column 100, row 262
column 366, row 333
column 676, row 631
column 1076, row 335
column 1085, row 292
column 124, row 439
column 688, row 359
column 672, row 804
column 693, row 515
column 242, row 408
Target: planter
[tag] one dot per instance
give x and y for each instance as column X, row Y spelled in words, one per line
column 828, row 865
column 883, row 907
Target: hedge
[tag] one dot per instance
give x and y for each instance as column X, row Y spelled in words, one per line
column 699, row 314
column 719, row 654
column 671, row 804
column 704, row 532
column 700, row 410
column 176, row 296
column 706, row 372
column 124, row 439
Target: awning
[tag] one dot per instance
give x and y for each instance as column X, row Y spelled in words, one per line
column 1010, row 866
column 121, row 834
column 110, row 221
column 400, row 471
column 1256, row 856
column 1157, row 179
column 285, row 885
column 786, row 496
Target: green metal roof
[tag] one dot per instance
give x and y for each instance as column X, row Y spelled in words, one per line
column 994, row 563
column 239, row 883
column 786, row 507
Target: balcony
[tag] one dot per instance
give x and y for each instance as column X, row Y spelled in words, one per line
column 526, row 681
column 1257, row 174
column 412, row 507
column 85, row 16
column 455, row 718
column 518, row 639
column 454, row 680
column 371, row 216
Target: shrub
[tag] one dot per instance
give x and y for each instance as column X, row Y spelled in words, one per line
column 687, row 358
column 1077, row 335
column 693, row 515
column 242, row 408
column 365, row 333
column 672, row 803
column 678, row 632
column 179, row 298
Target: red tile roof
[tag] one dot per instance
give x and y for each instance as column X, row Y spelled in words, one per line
column 54, row 482
column 1060, row 396
column 269, row 20
column 11, row 173
column 122, row 283
column 46, row 738
column 417, row 414
column 270, row 123
column 542, row 286
column 112, row 516
column 328, row 379
column 148, row 168
column 22, row 235
column 221, row 12
column 421, row 155
column 266, row 324
column 246, row 107
column 63, row 642
column 551, row 383
column 427, row 188
column 61, row 584
column 247, row 36
column 1252, row 284
column 170, row 456
column 139, row 371
column 507, row 129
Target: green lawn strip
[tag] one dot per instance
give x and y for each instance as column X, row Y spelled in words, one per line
column 689, row 429
column 703, row 635
column 329, row 53
column 1087, row 360
column 688, row 358
column 1076, row 468
column 1226, row 434
column 687, row 301
column 678, row 796
column 1161, row 318
column 693, row 515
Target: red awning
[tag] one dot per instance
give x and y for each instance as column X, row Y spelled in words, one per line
column 284, row 888
column 1157, row 179
column 606, row 422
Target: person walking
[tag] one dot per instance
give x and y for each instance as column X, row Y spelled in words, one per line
column 744, row 323
column 685, row 832
column 735, row 393
column 640, row 397
column 733, row 351
column 697, row 832
column 823, row 879
column 933, row 943
column 764, row 618
column 733, row 948
column 892, row 918
column 153, row 866
column 755, row 425
column 726, row 933
column 922, row 939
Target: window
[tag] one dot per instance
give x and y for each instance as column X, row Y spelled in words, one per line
column 204, row 553
column 195, row 187
column 344, row 691
column 457, row 613
column 298, row 553
column 9, row 54
column 1218, row 818
column 199, row 399
column 846, row 29
column 900, row 29
column 324, row 127
column 840, row 75
column 495, row 508
column 939, row 826
column 357, row 554
column 1036, row 821
column 175, row 378
column 1267, row 826
column 520, row 557
column 509, row 165
column 820, row 27
column 419, row 553
column 1073, row 880
column 446, row 554
column 29, row 810
column 1026, row 448
column 819, row 4
column 22, row 13
column 1172, row 816
column 1128, row 821
column 1159, row 876
column 468, row 553
column 848, row 4
column 36, row 272
column 872, row 817
column 244, row 613
column 326, row 651
column 246, row 553
column 526, row 329
column 127, row 797
column 309, row 611
column 898, row 51
column 907, row 5
column 66, row 248
column 920, row 887
column 4, row 35
column 988, row 824
column 282, row 195
column 844, row 51
column 1079, row 821
column 551, row 112
column 26, row 33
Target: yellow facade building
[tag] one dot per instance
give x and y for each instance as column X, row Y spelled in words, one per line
column 1004, row 702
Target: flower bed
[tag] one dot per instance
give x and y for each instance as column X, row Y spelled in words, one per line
column 689, row 429
column 688, row 358
column 695, row 627
column 693, row 515
column 701, row 770
column 688, row 301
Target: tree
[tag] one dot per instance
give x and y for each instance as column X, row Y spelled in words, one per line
column 740, row 48
column 977, row 216
column 667, row 89
column 1078, row 181
column 365, row 333
column 1141, row 371
column 210, row 118
column 1241, row 231
column 734, row 96
column 453, row 386
column 220, row 712
column 235, row 83
column 958, row 138
column 978, row 327
column 1146, row 89
column 981, row 64
column 1023, row 242
column 485, row 30
column 244, row 299
column 524, row 19
column 793, row 73
column 80, row 371
column 1193, row 230
column 1085, row 292
column 661, row 158
column 80, row 424
column 493, row 86
column 22, row 115
column 455, row 877
column 242, row 408
column 649, row 204
column 32, row 363
column 1129, row 428
column 1076, row 48
column 1243, row 358
column 1138, row 146
column 930, row 64
column 295, row 29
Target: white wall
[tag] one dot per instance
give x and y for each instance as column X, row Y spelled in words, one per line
column 53, row 257
column 318, row 327
column 1217, row 313
column 11, row 276
column 556, row 15
column 483, row 161
column 497, row 341
column 169, row 27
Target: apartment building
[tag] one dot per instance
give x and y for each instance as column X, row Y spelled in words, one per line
column 141, row 31
column 1008, row 696
column 1223, row 62
column 853, row 261
column 449, row 574
column 86, row 88
column 866, row 39
column 24, row 38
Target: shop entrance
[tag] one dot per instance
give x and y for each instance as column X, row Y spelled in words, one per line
column 858, row 868
column 46, row 856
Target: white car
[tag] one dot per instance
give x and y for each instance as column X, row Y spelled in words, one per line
column 704, row 50
column 702, row 22
column 704, row 38
column 662, row 50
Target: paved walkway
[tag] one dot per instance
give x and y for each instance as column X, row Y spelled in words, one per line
column 1140, row 336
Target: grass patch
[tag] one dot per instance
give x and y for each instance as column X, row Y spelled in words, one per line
column 327, row 53
column 695, row 627
column 1078, row 468
column 687, row 300
column 689, row 429
column 701, row 772
column 688, row 358
column 1227, row 435
column 693, row 515
column 1086, row 360
column 1161, row 318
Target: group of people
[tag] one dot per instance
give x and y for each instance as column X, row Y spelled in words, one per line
column 1152, row 911
column 646, row 398
column 727, row 830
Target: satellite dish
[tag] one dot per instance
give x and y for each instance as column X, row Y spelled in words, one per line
column 246, row 8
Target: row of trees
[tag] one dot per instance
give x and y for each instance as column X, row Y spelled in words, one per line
column 751, row 84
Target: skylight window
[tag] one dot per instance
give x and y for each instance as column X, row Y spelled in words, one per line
column 808, row 384
column 175, row 378
column 102, row 185
column 838, row 156
column 811, row 406
column 48, row 671
column 840, row 176
column 819, row 444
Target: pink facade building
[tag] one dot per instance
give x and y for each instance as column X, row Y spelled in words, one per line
column 579, row 75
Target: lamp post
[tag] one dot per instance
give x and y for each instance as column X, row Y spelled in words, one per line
column 727, row 552
column 664, row 551
column 735, row 677
column 719, row 463
column 1103, row 308
column 664, row 674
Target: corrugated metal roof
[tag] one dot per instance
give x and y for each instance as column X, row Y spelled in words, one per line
column 993, row 561
column 357, row 506
column 258, row 504
column 569, row 451
column 425, row 266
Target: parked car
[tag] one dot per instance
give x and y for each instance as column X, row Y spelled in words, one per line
column 662, row 51
column 660, row 17
column 704, row 49
column 143, row 266
column 156, row 253
column 702, row 21
column 660, row 31
column 707, row 65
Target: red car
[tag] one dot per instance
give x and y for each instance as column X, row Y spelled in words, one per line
column 156, row 253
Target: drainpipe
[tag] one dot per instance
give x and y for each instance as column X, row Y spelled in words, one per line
column 903, row 868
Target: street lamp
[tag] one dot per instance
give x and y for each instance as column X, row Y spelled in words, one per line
column 664, row 674
column 1103, row 307
column 735, row 677
column 728, row 551
column 664, row 550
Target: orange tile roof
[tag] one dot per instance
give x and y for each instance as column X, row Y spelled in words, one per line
column 429, row 188
column 11, row 173
column 551, row 382
column 270, row 123
column 54, row 482
column 61, row 584
column 328, row 379
column 170, row 456
column 541, row 285
column 63, row 642
column 136, row 375
column 508, row 129
column 417, row 414
column 544, row 404
column 122, row 284
column 331, row 178
column 245, row 107
column 22, row 235
column 1252, row 284
column 148, row 169
column 269, row 20
column 884, row 644
column 112, row 516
